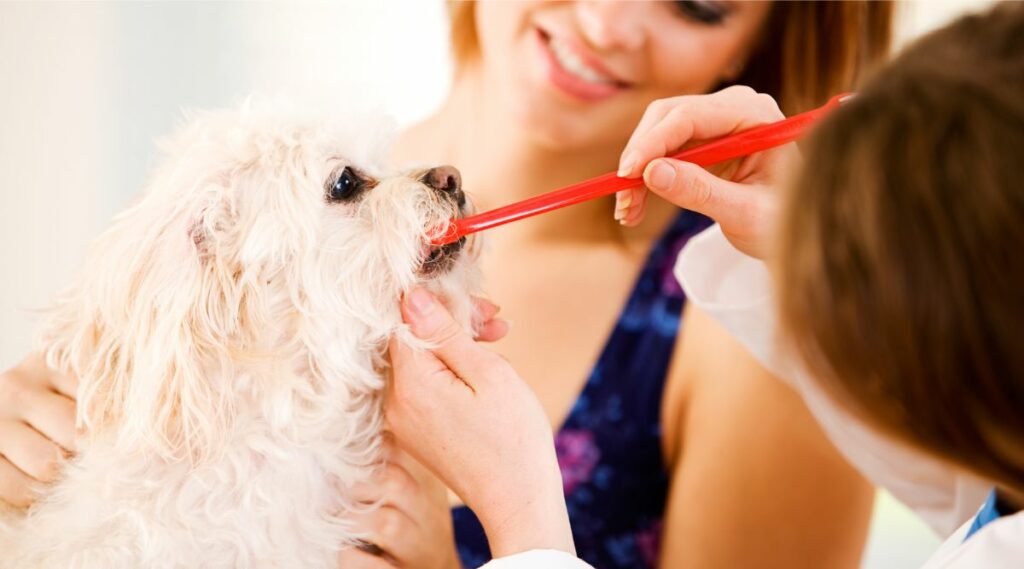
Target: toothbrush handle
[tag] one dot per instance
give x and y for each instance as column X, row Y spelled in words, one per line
column 732, row 146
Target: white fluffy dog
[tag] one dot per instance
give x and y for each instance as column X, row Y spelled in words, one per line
column 229, row 333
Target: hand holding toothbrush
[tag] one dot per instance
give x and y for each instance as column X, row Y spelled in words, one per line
column 733, row 124
column 741, row 195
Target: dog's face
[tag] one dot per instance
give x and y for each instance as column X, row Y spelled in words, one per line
column 280, row 181
column 304, row 210
column 264, row 245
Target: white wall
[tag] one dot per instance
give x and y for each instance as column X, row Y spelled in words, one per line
column 85, row 87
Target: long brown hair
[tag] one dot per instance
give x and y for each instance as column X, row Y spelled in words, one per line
column 808, row 50
column 900, row 261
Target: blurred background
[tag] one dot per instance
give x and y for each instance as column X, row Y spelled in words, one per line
column 85, row 87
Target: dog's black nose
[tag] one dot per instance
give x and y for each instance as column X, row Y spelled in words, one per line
column 446, row 179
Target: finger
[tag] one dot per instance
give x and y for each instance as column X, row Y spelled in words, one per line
column 388, row 528
column 395, row 455
column 417, row 374
column 493, row 330
column 53, row 415
column 421, row 478
column 485, row 309
column 655, row 112
column 355, row 558
column 35, row 369
column 430, row 320
column 30, row 451
column 691, row 187
column 702, row 118
column 625, row 200
column 426, row 486
column 489, row 327
column 698, row 122
column 392, row 486
column 15, row 485
column 65, row 384
column 634, row 214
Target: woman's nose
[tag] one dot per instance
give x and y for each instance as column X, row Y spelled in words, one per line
column 611, row 24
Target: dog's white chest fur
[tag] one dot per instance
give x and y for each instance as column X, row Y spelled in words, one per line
column 228, row 333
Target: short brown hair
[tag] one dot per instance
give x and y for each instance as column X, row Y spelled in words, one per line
column 900, row 260
column 809, row 50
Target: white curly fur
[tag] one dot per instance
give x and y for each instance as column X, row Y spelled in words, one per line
column 229, row 333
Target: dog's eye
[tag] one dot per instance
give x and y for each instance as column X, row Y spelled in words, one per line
column 345, row 186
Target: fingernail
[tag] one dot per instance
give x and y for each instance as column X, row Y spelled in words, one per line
column 420, row 301
column 662, row 175
column 622, row 200
column 626, row 165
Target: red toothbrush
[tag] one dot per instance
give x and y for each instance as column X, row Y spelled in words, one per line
column 726, row 148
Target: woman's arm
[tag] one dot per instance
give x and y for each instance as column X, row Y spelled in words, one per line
column 755, row 483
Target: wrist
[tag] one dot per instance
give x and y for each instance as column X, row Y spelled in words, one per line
column 540, row 520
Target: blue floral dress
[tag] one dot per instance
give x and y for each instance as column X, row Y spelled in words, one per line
column 609, row 449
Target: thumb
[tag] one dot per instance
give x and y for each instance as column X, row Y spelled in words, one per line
column 689, row 186
column 429, row 320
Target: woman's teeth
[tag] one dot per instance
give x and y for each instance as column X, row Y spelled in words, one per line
column 573, row 64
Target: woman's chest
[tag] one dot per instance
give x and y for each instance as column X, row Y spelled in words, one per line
column 563, row 304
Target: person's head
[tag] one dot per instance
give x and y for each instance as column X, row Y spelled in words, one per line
column 900, row 259
column 579, row 74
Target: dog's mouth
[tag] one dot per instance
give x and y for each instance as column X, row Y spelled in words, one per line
column 439, row 259
column 446, row 183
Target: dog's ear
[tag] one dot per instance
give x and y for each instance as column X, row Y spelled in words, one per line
column 152, row 328
column 201, row 240
column 210, row 225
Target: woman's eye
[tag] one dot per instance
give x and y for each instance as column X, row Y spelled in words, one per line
column 345, row 186
column 711, row 13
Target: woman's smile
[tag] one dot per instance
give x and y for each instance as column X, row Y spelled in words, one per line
column 578, row 75
column 573, row 71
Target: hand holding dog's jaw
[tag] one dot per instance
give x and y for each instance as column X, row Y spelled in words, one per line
column 463, row 412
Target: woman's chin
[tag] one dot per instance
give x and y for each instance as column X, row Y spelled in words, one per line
column 553, row 128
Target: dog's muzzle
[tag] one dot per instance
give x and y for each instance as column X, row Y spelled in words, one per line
column 446, row 181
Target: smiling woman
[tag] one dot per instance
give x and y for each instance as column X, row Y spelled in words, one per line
column 799, row 52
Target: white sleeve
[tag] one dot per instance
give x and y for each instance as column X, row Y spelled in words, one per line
column 998, row 545
column 735, row 290
column 538, row 559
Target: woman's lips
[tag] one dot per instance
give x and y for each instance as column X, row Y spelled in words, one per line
column 573, row 73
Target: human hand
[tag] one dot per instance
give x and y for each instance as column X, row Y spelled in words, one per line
column 411, row 527
column 464, row 413
column 742, row 195
column 37, row 428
